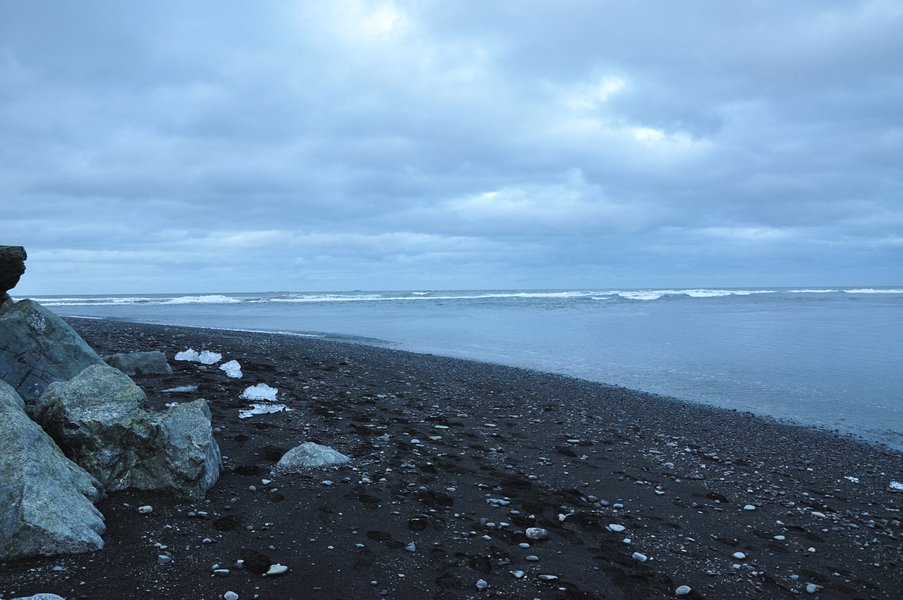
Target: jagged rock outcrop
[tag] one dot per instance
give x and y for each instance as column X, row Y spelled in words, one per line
column 37, row 348
column 140, row 363
column 101, row 421
column 12, row 265
column 45, row 499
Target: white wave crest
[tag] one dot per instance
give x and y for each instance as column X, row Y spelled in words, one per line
column 875, row 291
column 208, row 299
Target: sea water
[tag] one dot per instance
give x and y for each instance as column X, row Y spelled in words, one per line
column 826, row 357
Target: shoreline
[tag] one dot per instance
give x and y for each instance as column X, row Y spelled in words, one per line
column 499, row 449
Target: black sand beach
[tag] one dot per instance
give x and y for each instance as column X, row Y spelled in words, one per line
column 459, row 459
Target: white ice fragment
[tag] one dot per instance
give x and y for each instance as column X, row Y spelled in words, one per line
column 209, row 358
column 232, row 369
column 739, row 555
column 616, row 528
column 182, row 389
column 190, row 355
column 640, row 557
column 896, row 485
column 261, row 391
column 852, row 479
column 276, row 569
column 262, row 409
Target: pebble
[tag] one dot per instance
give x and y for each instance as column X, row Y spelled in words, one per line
column 518, row 574
column 162, row 559
column 811, row 588
column 524, row 545
column 780, row 538
column 616, row 528
column 532, row 558
column 276, row 569
column 536, row 533
column 738, row 555
column 548, row 577
column 230, row 596
column 220, row 572
column 683, row 590
column 411, row 547
column 482, row 584
column 640, row 556
column 749, row 507
column 146, row 509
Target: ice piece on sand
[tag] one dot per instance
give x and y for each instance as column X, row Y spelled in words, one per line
column 262, row 409
column 191, row 355
column 310, row 455
column 261, row 391
column 896, row 485
column 209, row 358
column 182, row 389
column 232, row 369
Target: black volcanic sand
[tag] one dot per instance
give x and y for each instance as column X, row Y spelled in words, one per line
column 501, row 449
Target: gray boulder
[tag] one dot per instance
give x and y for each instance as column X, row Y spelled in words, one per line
column 140, row 363
column 45, row 499
column 37, row 348
column 309, row 456
column 101, row 420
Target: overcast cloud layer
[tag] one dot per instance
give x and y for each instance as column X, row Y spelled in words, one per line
column 220, row 146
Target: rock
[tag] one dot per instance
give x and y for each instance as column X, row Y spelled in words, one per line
column 44, row 596
column 683, row 590
column 276, row 569
column 38, row 348
column 100, row 419
column 739, row 555
column 616, row 528
column 12, row 265
column 309, row 455
column 640, row 556
column 45, row 499
column 482, row 584
column 146, row 509
column 536, row 533
column 140, row 363
column 230, row 596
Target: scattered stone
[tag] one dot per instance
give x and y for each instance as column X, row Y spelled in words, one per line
column 518, row 574
column 276, row 569
column 682, row 590
column 146, row 509
column 811, row 588
column 12, row 266
column 749, row 507
column 309, row 456
column 482, row 584
column 548, row 577
column 182, row 389
column 531, row 558
column 616, row 528
column 44, row 596
column 739, row 555
column 230, row 596
column 640, row 556
column 536, row 533
column 163, row 559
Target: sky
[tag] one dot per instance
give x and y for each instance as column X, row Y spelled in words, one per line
column 353, row 144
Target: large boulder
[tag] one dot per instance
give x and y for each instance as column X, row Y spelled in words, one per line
column 12, row 265
column 140, row 363
column 45, row 499
column 101, row 420
column 37, row 348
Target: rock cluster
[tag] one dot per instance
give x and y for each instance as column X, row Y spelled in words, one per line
column 73, row 428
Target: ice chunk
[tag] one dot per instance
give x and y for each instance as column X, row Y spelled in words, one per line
column 182, row 389
column 262, row 409
column 896, row 485
column 261, row 391
column 232, row 369
column 209, row 358
column 205, row 358
column 191, row 355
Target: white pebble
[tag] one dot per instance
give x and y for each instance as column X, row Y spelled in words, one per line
column 616, row 528
column 739, row 555
column 640, row 556
column 482, row 584
column 811, row 588
column 146, row 510
column 749, row 507
column 518, row 574
column 780, row 538
column 230, row 596
column 683, row 590
column 276, row 569
column 536, row 533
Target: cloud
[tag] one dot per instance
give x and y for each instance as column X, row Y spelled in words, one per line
column 372, row 143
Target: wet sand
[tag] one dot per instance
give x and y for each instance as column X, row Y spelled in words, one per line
column 459, row 459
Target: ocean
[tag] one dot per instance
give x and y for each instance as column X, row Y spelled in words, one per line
column 831, row 358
